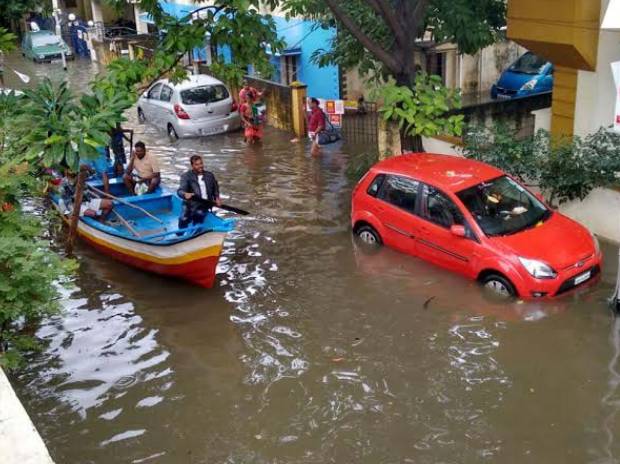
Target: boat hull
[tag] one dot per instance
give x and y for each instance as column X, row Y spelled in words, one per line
column 194, row 260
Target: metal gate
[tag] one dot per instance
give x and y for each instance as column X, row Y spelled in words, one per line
column 361, row 126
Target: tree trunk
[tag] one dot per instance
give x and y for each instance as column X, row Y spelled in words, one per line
column 409, row 143
column 75, row 215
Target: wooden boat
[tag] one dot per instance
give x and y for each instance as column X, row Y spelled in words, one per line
column 162, row 248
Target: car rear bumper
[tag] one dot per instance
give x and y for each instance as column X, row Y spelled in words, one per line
column 190, row 128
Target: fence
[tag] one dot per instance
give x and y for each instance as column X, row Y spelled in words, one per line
column 361, row 126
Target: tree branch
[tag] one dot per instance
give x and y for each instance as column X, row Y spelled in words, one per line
column 382, row 8
column 377, row 50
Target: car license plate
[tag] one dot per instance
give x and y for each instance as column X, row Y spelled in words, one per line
column 56, row 60
column 583, row 277
column 502, row 96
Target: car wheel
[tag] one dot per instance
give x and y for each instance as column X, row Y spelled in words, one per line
column 499, row 285
column 369, row 235
column 172, row 133
column 141, row 117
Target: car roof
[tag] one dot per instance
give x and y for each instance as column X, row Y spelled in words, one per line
column 447, row 172
column 193, row 81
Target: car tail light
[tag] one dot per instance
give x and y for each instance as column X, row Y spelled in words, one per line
column 234, row 107
column 180, row 112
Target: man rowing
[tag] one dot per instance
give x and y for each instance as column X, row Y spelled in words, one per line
column 197, row 184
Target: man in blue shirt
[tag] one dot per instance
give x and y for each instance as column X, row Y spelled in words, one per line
column 99, row 166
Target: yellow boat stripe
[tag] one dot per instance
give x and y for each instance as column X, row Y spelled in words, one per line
column 196, row 255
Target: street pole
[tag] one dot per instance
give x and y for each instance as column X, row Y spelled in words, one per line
column 58, row 30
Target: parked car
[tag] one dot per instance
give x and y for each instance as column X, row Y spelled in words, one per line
column 200, row 105
column 476, row 220
column 44, row 46
column 529, row 75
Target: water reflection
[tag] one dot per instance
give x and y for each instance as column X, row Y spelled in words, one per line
column 311, row 348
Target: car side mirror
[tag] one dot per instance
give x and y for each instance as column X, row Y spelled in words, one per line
column 458, row 231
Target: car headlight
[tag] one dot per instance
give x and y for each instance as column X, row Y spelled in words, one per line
column 41, row 57
column 529, row 85
column 597, row 245
column 537, row 269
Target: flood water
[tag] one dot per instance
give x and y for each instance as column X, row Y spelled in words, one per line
column 312, row 348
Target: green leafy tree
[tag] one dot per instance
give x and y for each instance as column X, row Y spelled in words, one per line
column 564, row 169
column 380, row 39
column 12, row 11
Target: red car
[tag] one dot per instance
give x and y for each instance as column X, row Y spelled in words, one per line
column 476, row 220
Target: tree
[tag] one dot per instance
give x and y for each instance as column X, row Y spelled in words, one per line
column 12, row 11
column 382, row 38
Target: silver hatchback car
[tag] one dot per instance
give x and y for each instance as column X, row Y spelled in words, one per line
column 200, row 105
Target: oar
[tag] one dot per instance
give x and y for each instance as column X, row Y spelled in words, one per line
column 24, row 77
column 212, row 204
column 126, row 223
column 126, row 203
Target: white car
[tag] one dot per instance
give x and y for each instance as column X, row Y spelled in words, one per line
column 200, row 105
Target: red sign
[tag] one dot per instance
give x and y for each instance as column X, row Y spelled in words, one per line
column 335, row 119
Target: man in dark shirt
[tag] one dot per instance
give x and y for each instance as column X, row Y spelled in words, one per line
column 197, row 183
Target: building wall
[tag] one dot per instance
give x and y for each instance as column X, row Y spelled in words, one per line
column 596, row 91
column 298, row 33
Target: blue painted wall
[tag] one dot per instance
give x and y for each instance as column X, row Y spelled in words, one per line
column 297, row 33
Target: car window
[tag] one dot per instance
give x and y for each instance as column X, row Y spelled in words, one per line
column 166, row 94
column 439, row 209
column 529, row 64
column 400, row 192
column 42, row 40
column 154, row 91
column 374, row 187
column 501, row 206
column 204, row 94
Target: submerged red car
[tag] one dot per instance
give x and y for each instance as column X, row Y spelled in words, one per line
column 476, row 220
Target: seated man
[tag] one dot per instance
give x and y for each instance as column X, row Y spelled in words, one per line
column 91, row 206
column 99, row 167
column 143, row 169
column 197, row 183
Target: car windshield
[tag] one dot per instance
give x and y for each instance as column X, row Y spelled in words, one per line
column 45, row 40
column 204, row 94
column 529, row 64
column 502, row 207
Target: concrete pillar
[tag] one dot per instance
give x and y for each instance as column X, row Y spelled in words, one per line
column 141, row 26
column 298, row 97
column 388, row 138
column 564, row 96
column 97, row 11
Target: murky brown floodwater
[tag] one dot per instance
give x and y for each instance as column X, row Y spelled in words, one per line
column 311, row 349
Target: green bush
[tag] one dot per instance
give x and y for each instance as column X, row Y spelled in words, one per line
column 564, row 169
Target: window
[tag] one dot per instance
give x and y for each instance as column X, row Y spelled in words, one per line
column 166, row 94
column 400, row 192
column 205, row 94
column 154, row 92
column 501, row 206
column 529, row 64
column 373, row 190
column 439, row 209
column 290, row 69
column 436, row 64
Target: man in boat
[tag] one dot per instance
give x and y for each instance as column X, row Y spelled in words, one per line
column 91, row 206
column 197, row 184
column 143, row 169
column 99, row 167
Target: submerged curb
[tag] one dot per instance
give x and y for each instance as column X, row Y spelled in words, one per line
column 20, row 443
